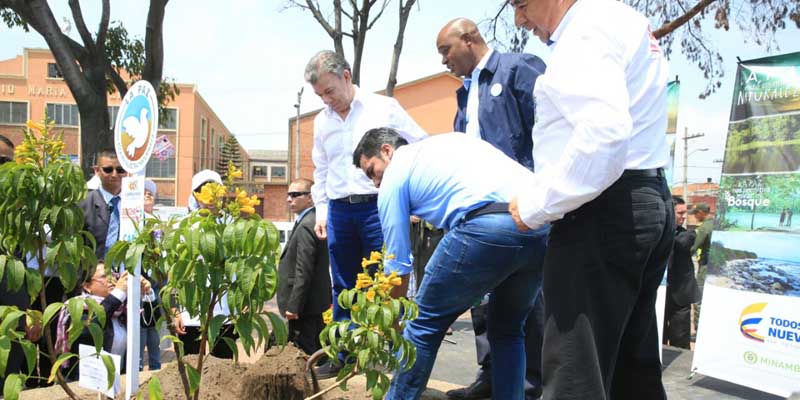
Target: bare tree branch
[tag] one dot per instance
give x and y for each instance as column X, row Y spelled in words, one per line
column 80, row 24
column 671, row 26
column 102, row 30
column 404, row 12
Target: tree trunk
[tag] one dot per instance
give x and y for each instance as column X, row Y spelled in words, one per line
column 405, row 11
column 96, row 133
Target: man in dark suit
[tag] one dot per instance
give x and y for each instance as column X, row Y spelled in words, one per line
column 304, row 285
column 682, row 288
column 101, row 206
column 496, row 105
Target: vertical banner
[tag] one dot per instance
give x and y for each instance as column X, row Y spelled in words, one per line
column 134, row 138
column 749, row 329
column 673, row 93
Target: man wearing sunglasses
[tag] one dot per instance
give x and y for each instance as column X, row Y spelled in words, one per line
column 101, row 206
column 304, row 285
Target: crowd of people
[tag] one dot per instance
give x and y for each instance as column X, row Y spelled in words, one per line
column 555, row 223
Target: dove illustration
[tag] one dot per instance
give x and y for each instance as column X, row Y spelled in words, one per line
column 137, row 128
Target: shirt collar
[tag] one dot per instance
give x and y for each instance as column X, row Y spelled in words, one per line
column 106, row 195
column 564, row 22
column 303, row 213
column 477, row 71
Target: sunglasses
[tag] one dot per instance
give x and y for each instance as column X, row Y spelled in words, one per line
column 297, row 194
column 109, row 170
column 4, row 159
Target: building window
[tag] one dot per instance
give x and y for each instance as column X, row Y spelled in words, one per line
column 165, row 202
column 277, row 173
column 53, row 71
column 169, row 120
column 214, row 149
column 63, row 114
column 12, row 112
column 161, row 169
column 203, row 135
column 259, row 171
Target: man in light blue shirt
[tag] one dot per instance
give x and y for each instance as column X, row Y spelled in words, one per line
column 463, row 184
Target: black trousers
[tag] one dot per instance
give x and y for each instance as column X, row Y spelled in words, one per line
column 534, row 336
column 677, row 323
column 603, row 265
column 53, row 292
column 191, row 341
column 304, row 332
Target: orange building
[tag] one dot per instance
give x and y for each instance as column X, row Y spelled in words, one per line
column 31, row 83
column 431, row 101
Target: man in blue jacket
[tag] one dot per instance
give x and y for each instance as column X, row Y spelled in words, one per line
column 495, row 105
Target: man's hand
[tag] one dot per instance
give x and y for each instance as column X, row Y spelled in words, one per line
column 321, row 229
column 145, row 286
column 33, row 331
column 290, row 315
column 178, row 322
column 402, row 290
column 513, row 209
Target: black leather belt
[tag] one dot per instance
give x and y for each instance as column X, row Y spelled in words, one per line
column 490, row 208
column 643, row 173
column 359, row 198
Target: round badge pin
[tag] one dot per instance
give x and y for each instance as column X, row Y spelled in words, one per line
column 496, row 89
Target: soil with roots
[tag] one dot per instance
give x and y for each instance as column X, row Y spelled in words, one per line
column 276, row 375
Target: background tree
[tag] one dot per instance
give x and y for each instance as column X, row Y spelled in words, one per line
column 684, row 21
column 101, row 64
column 231, row 151
column 359, row 16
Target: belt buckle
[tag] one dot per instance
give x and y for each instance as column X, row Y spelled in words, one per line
column 354, row 199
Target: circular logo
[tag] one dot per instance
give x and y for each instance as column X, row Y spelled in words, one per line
column 136, row 126
column 750, row 357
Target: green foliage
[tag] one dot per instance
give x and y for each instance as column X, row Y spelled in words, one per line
column 763, row 145
column 39, row 212
column 372, row 339
column 216, row 252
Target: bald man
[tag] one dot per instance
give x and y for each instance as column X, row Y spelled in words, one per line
column 495, row 105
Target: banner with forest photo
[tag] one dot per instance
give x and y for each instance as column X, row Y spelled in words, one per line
column 749, row 329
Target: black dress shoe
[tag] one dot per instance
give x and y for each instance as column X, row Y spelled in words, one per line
column 479, row 389
column 327, row 370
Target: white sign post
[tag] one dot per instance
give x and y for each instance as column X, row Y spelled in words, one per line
column 134, row 138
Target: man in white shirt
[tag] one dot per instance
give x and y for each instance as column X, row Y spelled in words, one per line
column 599, row 146
column 345, row 199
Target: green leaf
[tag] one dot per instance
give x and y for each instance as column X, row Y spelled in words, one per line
column 213, row 329
column 31, row 353
column 51, row 311
column 5, row 349
column 97, row 336
column 34, row 282
column 194, row 379
column 377, row 393
column 372, row 378
column 75, row 309
column 2, row 265
column 279, row 328
column 16, row 273
column 69, row 277
column 63, row 357
column 372, row 339
column 387, row 320
column 10, row 321
column 363, row 358
column 234, row 349
column 111, row 372
column 395, row 309
column 96, row 309
column 154, row 387
column 208, row 246
column 13, row 387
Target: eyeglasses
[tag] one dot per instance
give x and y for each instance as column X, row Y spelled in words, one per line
column 4, row 159
column 297, row 194
column 109, row 170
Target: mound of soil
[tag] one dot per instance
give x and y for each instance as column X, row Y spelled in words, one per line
column 277, row 375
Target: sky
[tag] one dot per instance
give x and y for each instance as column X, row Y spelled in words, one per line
column 247, row 60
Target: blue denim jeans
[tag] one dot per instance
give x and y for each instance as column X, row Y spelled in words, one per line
column 354, row 230
column 486, row 254
column 150, row 337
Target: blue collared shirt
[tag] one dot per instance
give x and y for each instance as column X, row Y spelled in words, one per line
column 441, row 179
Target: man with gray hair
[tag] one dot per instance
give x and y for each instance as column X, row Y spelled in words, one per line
column 345, row 199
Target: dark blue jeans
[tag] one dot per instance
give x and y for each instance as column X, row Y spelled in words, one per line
column 484, row 255
column 354, row 230
column 150, row 338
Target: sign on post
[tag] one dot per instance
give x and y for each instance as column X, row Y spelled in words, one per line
column 93, row 373
column 134, row 138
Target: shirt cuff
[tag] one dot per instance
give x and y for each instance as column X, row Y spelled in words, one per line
column 530, row 211
column 119, row 294
column 321, row 211
column 397, row 266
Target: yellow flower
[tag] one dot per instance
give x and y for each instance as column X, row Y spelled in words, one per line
column 366, row 263
column 248, row 210
column 363, row 281
column 375, row 256
column 371, row 295
column 236, row 174
column 389, row 257
column 35, row 126
column 395, row 280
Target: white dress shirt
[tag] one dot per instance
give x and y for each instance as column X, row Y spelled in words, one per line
column 601, row 109
column 473, row 98
column 335, row 139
